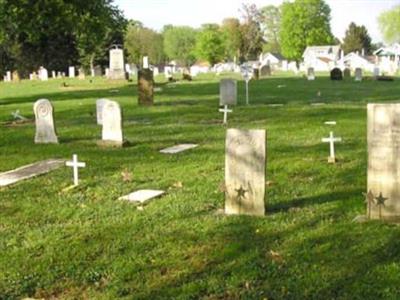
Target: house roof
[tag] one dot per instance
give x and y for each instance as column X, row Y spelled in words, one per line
column 329, row 49
column 325, row 59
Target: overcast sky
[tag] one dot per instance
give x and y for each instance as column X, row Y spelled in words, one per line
column 156, row 13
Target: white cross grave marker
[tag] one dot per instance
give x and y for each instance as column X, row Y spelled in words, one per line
column 225, row 110
column 75, row 164
column 17, row 115
column 331, row 140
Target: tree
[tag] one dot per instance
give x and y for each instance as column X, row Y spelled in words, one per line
column 271, row 24
column 304, row 23
column 141, row 41
column 356, row 39
column 179, row 44
column 232, row 38
column 252, row 36
column 210, row 44
column 389, row 24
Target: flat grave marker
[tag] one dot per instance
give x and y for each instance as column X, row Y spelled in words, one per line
column 178, row 148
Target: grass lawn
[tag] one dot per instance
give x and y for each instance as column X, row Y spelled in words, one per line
column 85, row 244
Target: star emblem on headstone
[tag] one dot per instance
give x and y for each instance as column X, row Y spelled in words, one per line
column 241, row 192
column 380, row 200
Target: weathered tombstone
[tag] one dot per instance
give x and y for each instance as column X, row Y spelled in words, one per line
column 112, row 124
column 265, row 71
column 245, row 172
column 59, row 75
column 117, row 67
column 358, row 74
column 346, row 73
column 81, row 74
column 310, row 74
column 145, row 86
column 43, row 74
column 45, row 131
column 15, row 76
column 256, row 74
column 71, row 72
column 53, row 74
column 376, row 72
column 383, row 160
column 99, row 110
column 227, row 92
column 8, row 76
column 336, row 74
column 97, row 71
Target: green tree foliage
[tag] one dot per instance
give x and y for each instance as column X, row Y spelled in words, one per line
column 356, row 39
column 141, row 41
column 232, row 38
column 389, row 24
column 179, row 44
column 252, row 36
column 271, row 24
column 210, row 44
column 304, row 23
column 57, row 33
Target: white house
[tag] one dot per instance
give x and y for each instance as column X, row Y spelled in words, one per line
column 275, row 60
column 321, row 58
column 354, row 60
column 226, row 67
column 388, row 58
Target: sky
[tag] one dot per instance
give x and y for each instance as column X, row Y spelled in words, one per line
column 157, row 13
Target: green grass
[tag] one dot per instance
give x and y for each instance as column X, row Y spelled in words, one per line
column 85, row 244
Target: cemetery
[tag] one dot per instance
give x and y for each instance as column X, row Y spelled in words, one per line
column 123, row 176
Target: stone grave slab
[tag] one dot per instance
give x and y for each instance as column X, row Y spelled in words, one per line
column 142, row 196
column 227, row 92
column 245, row 166
column 29, row 171
column 178, row 148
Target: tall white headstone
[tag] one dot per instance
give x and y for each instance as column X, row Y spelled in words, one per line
column 99, row 110
column 45, row 130
column 145, row 62
column 112, row 124
column 71, row 72
column 43, row 74
column 117, row 67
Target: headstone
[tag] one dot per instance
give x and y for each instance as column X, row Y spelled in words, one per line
column 107, row 72
column 112, row 124
column 336, row 74
column 75, row 164
column 142, row 197
column 358, row 74
column 227, row 92
column 29, row 171
column 117, row 70
column 383, row 160
column 45, row 131
column 168, row 73
column 145, row 87
column 346, row 73
column 225, row 110
column 71, row 72
column 256, row 74
column 81, row 73
column 376, row 72
column 8, row 76
column 245, row 172
column 265, row 71
column 178, row 148
column 145, row 62
column 53, row 74
column 99, row 110
column 15, row 76
column 59, row 75
column 43, row 74
column 310, row 74
column 331, row 140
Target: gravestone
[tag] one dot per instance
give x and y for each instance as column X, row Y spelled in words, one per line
column 45, row 131
column 117, row 66
column 71, row 72
column 43, row 74
column 346, row 73
column 227, row 92
column 142, row 197
column 97, row 71
column 265, row 71
column 383, row 160
column 178, row 148
column 81, row 74
column 15, row 76
column 53, row 74
column 310, row 74
column 99, row 110
column 8, row 76
column 256, row 74
column 358, row 74
column 245, row 172
column 112, row 124
column 336, row 74
column 376, row 72
column 145, row 87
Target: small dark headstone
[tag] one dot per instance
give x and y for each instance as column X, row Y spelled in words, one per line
column 187, row 77
column 145, row 87
column 265, row 71
column 336, row 74
column 346, row 73
column 256, row 74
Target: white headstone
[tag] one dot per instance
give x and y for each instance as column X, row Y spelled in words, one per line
column 178, row 148
column 358, row 74
column 376, row 72
column 71, row 72
column 145, row 62
column 142, row 196
column 53, row 74
column 8, row 76
column 117, row 69
column 99, row 110
column 310, row 74
column 43, row 74
column 45, row 130
column 245, row 165
column 112, row 123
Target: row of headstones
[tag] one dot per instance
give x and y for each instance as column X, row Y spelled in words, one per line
column 108, row 115
column 337, row 74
